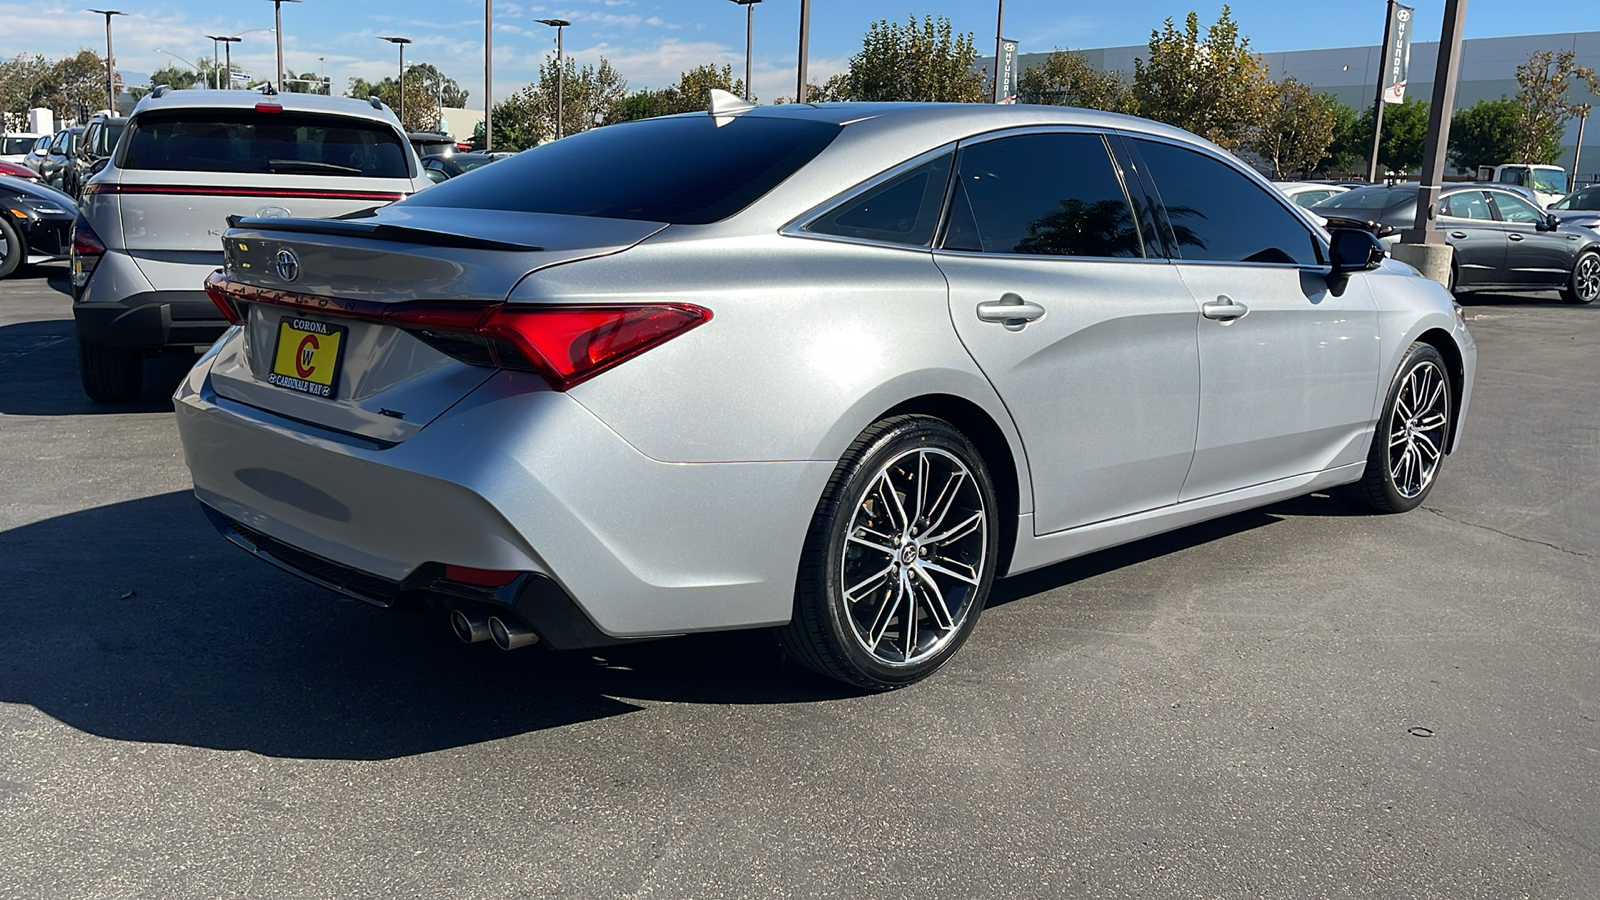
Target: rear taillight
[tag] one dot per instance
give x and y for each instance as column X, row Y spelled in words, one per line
column 87, row 248
column 567, row 345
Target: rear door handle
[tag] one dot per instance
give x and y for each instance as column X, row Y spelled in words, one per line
column 1224, row 309
column 1516, row 237
column 1010, row 310
column 1459, row 235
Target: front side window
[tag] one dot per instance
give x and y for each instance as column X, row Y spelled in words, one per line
column 1219, row 214
column 903, row 210
column 1467, row 205
column 1518, row 210
column 1051, row 194
column 59, row 145
column 285, row 143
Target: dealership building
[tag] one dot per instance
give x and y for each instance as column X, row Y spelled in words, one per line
column 1488, row 70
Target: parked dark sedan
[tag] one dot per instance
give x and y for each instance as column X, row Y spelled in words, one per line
column 1579, row 207
column 35, row 223
column 1502, row 241
column 443, row 168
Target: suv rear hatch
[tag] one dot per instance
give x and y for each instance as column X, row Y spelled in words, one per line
column 368, row 325
column 184, row 171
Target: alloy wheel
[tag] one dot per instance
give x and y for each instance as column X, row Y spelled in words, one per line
column 913, row 557
column 1586, row 278
column 1417, row 429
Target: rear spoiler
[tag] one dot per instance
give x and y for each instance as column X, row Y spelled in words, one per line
column 397, row 233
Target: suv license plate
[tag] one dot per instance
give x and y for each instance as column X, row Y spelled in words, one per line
column 308, row 356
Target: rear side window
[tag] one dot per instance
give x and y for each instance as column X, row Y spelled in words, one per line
column 1041, row 194
column 682, row 170
column 903, row 210
column 286, row 143
column 1219, row 214
column 1467, row 205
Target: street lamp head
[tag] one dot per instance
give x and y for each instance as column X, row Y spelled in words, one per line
column 396, row 40
column 107, row 12
column 554, row 23
column 745, row 2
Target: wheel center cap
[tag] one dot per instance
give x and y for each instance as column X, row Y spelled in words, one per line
column 908, row 554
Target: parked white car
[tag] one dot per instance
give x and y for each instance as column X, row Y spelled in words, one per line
column 14, row 146
column 1308, row 193
column 151, row 221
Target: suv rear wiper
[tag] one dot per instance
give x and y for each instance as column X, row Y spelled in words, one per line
column 274, row 165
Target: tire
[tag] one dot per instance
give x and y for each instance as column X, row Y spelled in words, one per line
column 1416, row 425
column 877, row 604
column 1584, row 284
column 111, row 374
column 12, row 250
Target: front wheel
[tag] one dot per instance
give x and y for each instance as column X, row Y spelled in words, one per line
column 12, row 250
column 1584, row 286
column 1409, row 445
column 900, row 556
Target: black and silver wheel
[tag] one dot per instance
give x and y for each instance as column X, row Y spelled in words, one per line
column 900, row 557
column 12, row 250
column 110, row 374
column 1409, row 446
column 1584, row 286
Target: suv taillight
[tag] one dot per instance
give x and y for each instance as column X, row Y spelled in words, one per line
column 87, row 248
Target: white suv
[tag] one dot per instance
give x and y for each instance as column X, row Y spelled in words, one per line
column 150, row 222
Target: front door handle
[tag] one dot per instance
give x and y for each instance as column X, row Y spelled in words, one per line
column 1224, row 309
column 1459, row 235
column 1011, row 311
column 1516, row 237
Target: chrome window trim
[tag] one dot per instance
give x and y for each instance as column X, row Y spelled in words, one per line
column 797, row 227
column 979, row 254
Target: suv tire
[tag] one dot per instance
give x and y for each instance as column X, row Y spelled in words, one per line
column 110, row 374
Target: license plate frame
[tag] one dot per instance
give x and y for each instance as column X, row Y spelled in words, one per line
column 301, row 368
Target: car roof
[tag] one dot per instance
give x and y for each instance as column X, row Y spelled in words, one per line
column 215, row 99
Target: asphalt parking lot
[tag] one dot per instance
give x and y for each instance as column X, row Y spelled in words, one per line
column 1294, row 702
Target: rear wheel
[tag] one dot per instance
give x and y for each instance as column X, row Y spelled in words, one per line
column 1584, row 285
column 1408, row 447
column 12, row 250
column 900, row 556
column 110, row 374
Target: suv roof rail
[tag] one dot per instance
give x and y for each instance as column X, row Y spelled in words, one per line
column 159, row 91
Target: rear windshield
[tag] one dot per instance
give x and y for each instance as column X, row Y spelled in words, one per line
column 15, row 146
column 290, row 143
column 1375, row 197
column 680, row 170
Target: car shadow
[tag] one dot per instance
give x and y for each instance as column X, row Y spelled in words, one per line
column 135, row 621
column 40, row 359
column 1530, row 300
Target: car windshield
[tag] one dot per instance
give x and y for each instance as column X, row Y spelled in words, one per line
column 244, row 140
column 469, row 163
column 683, row 170
column 16, row 146
column 1588, row 198
column 1376, row 197
column 1549, row 181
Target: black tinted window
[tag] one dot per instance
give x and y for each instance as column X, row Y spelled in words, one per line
column 209, row 140
column 1219, row 214
column 1047, row 194
column 902, row 210
column 686, row 170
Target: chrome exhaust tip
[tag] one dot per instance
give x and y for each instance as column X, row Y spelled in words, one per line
column 510, row 635
column 470, row 628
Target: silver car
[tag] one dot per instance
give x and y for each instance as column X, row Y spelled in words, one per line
column 829, row 370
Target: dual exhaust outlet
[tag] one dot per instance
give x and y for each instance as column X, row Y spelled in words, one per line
column 507, row 633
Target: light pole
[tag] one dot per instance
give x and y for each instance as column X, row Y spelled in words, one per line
column 227, row 41
column 561, row 73
column 488, row 75
column 111, row 81
column 401, row 43
column 277, row 21
column 999, row 29
column 749, row 38
column 1423, row 246
column 805, row 48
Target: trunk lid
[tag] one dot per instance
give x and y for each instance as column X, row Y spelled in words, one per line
column 330, row 279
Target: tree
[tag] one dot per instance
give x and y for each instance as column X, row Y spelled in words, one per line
column 1347, row 154
column 1211, row 85
column 692, row 93
column 926, row 62
column 1405, row 134
column 1485, row 134
column 1296, row 132
column 1067, row 79
column 593, row 96
column 426, row 90
column 177, row 78
column 1545, row 80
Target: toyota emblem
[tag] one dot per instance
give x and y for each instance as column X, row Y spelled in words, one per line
column 287, row 265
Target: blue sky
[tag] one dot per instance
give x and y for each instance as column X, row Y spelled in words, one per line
column 650, row 41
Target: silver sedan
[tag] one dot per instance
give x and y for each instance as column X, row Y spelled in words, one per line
column 829, row 370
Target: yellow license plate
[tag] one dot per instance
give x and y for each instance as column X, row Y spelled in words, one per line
column 307, row 358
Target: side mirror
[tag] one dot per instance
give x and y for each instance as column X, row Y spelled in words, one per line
column 1354, row 250
column 1550, row 223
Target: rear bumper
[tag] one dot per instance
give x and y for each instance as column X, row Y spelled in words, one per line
column 515, row 479
column 151, row 320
